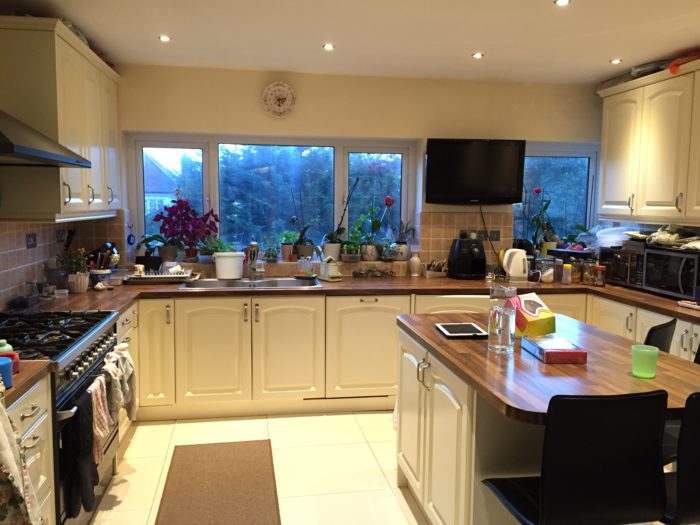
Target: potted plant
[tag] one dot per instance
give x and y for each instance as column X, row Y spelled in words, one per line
column 303, row 246
column 212, row 245
column 351, row 247
column 400, row 246
column 388, row 254
column 271, row 253
column 369, row 249
column 332, row 241
column 287, row 239
column 150, row 243
column 182, row 227
column 75, row 264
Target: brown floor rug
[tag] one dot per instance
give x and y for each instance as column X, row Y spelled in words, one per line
column 220, row 483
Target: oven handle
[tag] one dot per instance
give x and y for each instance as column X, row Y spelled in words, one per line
column 680, row 275
column 66, row 414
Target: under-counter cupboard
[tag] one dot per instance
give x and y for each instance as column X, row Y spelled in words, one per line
column 64, row 90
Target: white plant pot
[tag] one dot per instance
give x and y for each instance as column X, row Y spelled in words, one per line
column 401, row 251
column 332, row 250
column 78, row 282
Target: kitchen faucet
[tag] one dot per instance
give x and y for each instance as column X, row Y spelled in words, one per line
column 253, row 268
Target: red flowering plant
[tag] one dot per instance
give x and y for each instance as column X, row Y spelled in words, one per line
column 375, row 223
column 539, row 220
column 182, row 226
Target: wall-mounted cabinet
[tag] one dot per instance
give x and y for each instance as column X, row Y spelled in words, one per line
column 646, row 146
column 61, row 88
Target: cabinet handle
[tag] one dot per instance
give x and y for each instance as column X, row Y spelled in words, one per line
column 111, row 195
column 369, row 300
column 126, row 321
column 627, row 321
column 257, row 313
column 92, row 193
column 33, row 412
column 683, row 347
column 167, row 314
column 126, row 340
column 245, row 313
column 692, row 342
column 678, row 199
column 36, row 439
column 418, row 364
column 630, row 202
column 70, row 194
column 421, row 373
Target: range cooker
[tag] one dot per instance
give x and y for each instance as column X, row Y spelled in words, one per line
column 77, row 343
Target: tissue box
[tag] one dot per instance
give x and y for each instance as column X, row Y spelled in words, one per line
column 532, row 317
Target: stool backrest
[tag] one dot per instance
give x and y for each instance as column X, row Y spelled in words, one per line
column 661, row 336
column 688, row 481
column 601, row 460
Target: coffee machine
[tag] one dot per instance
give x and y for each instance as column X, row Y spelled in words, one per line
column 467, row 259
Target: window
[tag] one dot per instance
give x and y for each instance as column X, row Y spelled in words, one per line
column 261, row 187
column 256, row 186
column 565, row 175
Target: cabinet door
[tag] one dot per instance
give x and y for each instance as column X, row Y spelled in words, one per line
column 71, row 121
column 689, row 351
column 361, row 341
column 449, row 444
column 611, row 316
column 692, row 205
column 645, row 320
column 94, row 136
column 571, row 304
column 110, row 144
column 212, row 350
column 445, row 304
column 288, row 347
column 663, row 167
column 622, row 122
column 156, row 352
column 411, row 412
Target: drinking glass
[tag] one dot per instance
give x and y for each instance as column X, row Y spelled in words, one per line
column 644, row 361
column 501, row 329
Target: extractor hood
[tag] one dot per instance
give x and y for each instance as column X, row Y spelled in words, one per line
column 21, row 145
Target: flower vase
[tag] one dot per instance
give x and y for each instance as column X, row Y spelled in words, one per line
column 168, row 252
column 415, row 266
column 78, row 282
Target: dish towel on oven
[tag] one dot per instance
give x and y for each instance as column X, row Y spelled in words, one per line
column 120, row 366
column 77, row 459
column 101, row 420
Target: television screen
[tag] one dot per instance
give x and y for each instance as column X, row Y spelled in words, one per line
column 474, row 171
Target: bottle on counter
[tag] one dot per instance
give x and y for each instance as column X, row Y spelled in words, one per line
column 414, row 265
column 566, row 274
column 599, row 275
column 558, row 270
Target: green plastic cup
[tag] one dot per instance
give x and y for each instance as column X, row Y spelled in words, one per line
column 644, row 361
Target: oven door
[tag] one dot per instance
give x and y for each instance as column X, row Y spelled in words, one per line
column 67, row 427
column 671, row 273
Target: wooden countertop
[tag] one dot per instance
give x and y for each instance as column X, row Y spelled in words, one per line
column 520, row 386
column 30, row 372
column 122, row 296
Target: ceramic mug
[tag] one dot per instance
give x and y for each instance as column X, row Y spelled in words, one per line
column 139, row 269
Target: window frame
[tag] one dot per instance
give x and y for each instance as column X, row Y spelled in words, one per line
column 210, row 165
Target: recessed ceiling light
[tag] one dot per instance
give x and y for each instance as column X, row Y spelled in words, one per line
column 478, row 55
column 616, row 61
column 328, row 46
column 562, row 3
column 164, row 38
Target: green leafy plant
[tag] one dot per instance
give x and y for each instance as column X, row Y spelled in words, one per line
column 302, row 239
column 334, row 236
column 212, row 245
column 406, row 232
column 374, row 221
column 538, row 220
column 73, row 261
column 271, row 253
column 288, row 237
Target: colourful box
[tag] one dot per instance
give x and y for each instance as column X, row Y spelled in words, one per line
column 532, row 317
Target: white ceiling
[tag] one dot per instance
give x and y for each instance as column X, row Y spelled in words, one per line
column 524, row 40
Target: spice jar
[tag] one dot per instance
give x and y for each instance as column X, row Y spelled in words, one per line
column 576, row 270
column 589, row 272
column 547, row 275
column 599, row 275
column 558, row 269
column 566, row 274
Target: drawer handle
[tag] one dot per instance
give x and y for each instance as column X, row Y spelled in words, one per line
column 167, row 314
column 369, row 300
column 111, row 195
column 126, row 321
column 91, row 199
column 70, row 194
column 33, row 412
column 678, row 198
column 245, row 313
column 36, row 439
column 627, row 321
column 257, row 313
column 126, row 340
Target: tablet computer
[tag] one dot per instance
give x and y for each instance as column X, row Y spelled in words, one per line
column 464, row 330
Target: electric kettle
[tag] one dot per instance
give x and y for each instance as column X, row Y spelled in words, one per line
column 515, row 265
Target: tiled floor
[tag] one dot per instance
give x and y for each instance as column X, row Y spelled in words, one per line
column 330, row 469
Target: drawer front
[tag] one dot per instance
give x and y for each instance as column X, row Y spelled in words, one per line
column 127, row 320
column 37, row 446
column 27, row 410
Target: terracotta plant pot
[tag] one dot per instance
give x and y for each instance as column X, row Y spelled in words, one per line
column 168, row 252
column 369, row 252
column 287, row 249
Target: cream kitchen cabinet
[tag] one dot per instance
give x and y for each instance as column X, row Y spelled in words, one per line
column 611, row 316
column 61, row 88
column 443, row 304
column 156, row 368
column 361, row 341
column 571, row 304
column 645, row 150
column 435, row 435
column 212, row 350
column 33, row 416
column 692, row 204
column 288, row 347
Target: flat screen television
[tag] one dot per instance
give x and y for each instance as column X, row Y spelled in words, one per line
column 474, row 171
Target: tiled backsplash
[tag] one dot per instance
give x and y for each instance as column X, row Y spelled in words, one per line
column 438, row 229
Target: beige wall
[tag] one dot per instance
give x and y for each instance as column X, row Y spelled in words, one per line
column 176, row 99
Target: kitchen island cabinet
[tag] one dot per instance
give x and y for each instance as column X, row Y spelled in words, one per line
column 502, row 404
column 361, row 344
column 445, row 304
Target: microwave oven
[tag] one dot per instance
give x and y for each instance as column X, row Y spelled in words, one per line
column 671, row 272
column 622, row 266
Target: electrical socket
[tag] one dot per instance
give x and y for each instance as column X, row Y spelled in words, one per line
column 31, row 240
column 494, row 235
column 481, row 235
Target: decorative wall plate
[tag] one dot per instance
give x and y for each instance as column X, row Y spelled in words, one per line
column 279, row 99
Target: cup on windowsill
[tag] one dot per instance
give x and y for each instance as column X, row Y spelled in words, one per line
column 644, row 359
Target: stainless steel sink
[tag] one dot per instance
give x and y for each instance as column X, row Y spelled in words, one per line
column 280, row 283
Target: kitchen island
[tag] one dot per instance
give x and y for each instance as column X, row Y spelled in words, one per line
column 466, row 414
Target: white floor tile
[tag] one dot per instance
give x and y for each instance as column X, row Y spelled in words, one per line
column 134, row 486
column 376, row 426
column 218, row 431
column 304, row 471
column 121, row 517
column 385, row 454
column 301, row 431
column 150, row 439
column 367, row 508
